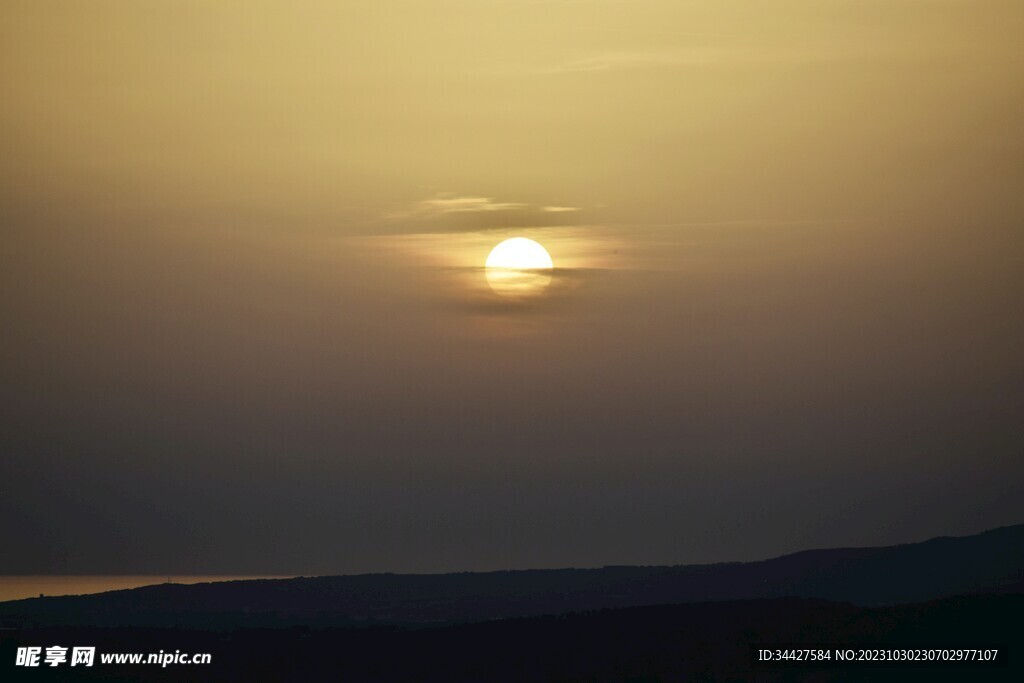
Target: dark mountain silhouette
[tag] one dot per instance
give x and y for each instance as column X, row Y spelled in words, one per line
column 667, row 643
column 990, row 562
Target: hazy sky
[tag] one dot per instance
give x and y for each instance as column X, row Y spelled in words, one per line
column 245, row 324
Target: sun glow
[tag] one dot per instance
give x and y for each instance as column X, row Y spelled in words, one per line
column 519, row 253
column 519, row 267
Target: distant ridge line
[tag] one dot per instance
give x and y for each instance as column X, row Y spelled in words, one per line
column 989, row 562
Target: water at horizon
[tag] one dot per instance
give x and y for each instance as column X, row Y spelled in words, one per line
column 27, row 586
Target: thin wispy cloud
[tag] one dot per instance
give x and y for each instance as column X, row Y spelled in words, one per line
column 455, row 204
column 452, row 212
column 448, row 203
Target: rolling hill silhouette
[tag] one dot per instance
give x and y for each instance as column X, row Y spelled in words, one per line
column 991, row 562
column 709, row 641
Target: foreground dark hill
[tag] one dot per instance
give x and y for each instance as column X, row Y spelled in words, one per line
column 667, row 643
column 990, row 562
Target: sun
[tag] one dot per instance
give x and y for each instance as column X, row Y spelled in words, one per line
column 519, row 267
column 519, row 253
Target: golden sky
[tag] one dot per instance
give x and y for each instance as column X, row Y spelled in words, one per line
column 334, row 114
column 243, row 234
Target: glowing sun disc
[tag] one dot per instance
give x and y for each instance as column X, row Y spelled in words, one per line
column 518, row 267
column 519, row 253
